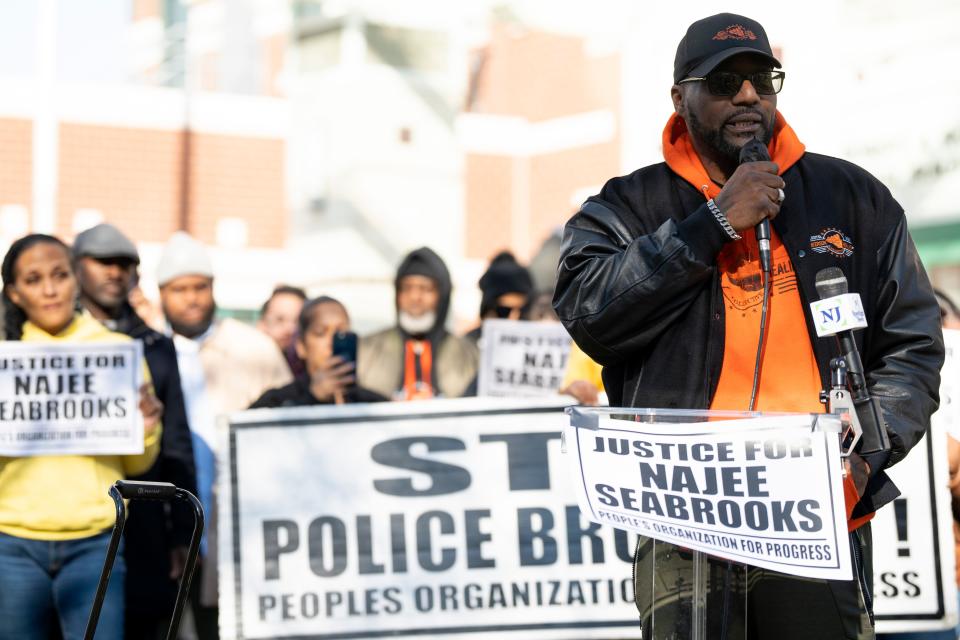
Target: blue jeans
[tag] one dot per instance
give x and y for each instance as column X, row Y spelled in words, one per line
column 45, row 583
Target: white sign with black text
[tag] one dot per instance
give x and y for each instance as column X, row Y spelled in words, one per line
column 439, row 519
column 522, row 359
column 913, row 549
column 70, row 398
column 763, row 491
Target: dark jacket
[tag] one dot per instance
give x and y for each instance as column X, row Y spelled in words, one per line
column 297, row 394
column 152, row 528
column 639, row 291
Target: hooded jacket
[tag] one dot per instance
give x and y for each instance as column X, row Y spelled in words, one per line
column 639, row 290
column 455, row 360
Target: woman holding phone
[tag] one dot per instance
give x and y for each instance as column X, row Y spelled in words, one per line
column 329, row 349
column 55, row 514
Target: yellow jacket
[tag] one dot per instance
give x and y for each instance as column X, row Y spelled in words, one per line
column 581, row 367
column 65, row 497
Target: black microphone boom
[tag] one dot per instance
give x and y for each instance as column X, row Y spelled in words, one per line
column 756, row 151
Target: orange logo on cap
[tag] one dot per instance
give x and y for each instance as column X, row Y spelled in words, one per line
column 735, row 32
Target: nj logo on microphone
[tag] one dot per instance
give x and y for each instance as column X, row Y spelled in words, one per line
column 838, row 313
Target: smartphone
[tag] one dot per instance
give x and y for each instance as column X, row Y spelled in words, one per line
column 345, row 345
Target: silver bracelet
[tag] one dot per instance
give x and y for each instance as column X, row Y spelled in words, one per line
column 722, row 219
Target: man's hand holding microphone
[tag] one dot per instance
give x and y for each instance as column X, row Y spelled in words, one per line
column 752, row 194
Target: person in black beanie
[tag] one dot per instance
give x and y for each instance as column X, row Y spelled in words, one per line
column 506, row 287
column 418, row 358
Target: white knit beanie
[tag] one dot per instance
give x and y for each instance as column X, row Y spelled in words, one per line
column 183, row 255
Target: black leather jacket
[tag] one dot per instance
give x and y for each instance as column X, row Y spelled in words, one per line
column 639, row 291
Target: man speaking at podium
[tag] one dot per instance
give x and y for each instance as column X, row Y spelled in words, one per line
column 660, row 282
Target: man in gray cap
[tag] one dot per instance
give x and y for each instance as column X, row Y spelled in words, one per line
column 106, row 263
column 664, row 281
column 224, row 365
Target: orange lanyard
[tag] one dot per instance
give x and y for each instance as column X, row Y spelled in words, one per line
column 418, row 362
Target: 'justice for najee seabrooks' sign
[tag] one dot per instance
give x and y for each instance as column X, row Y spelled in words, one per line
column 765, row 491
column 70, row 398
column 522, row 359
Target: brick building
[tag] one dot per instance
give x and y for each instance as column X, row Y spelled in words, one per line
column 123, row 155
column 540, row 133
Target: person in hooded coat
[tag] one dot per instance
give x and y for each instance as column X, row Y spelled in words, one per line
column 418, row 358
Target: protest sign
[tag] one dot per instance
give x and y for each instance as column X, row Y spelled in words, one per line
column 522, row 359
column 440, row 519
column 913, row 548
column 764, row 491
column 59, row 398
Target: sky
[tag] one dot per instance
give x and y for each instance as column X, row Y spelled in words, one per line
column 90, row 39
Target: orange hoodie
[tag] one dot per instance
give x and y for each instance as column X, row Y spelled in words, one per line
column 785, row 149
column 789, row 375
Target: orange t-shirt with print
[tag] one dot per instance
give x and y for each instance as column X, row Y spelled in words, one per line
column 789, row 374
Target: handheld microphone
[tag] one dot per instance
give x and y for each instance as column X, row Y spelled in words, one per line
column 838, row 313
column 756, row 151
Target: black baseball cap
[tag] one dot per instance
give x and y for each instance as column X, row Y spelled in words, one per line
column 710, row 41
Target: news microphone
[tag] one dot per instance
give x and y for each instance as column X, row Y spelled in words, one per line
column 756, row 151
column 839, row 313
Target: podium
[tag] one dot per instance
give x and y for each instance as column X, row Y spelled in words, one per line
column 718, row 499
column 686, row 594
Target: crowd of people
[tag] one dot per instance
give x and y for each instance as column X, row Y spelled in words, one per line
column 665, row 277
column 55, row 515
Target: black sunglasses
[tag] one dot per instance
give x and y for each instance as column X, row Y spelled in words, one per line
column 504, row 311
column 727, row 83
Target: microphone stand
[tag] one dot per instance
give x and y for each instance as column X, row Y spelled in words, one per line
column 872, row 440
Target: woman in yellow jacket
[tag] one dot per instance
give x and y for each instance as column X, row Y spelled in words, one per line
column 55, row 514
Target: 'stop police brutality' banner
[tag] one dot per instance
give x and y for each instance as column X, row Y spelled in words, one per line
column 70, row 398
column 913, row 549
column 440, row 519
column 522, row 359
column 764, row 491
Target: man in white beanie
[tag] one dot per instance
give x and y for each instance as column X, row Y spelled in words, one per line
column 224, row 366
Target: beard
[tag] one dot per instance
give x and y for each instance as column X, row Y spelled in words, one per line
column 193, row 329
column 417, row 325
column 715, row 139
column 110, row 302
